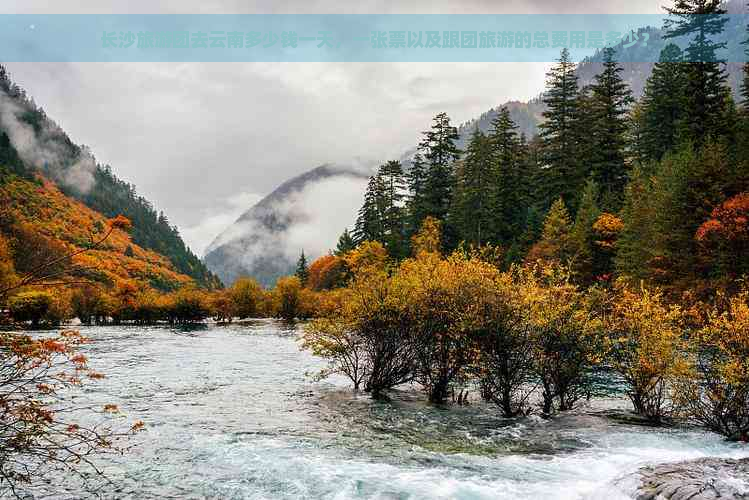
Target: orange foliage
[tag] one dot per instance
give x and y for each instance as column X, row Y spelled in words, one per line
column 326, row 272
column 607, row 228
column 729, row 221
column 724, row 239
column 67, row 223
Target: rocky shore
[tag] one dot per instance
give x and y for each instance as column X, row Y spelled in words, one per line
column 703, row 479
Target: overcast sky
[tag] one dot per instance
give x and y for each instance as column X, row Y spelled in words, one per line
column 204, row 141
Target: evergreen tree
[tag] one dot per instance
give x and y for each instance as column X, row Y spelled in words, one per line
column 559, row 153
column 610, row 98
column 662, row 106
column 509, row 204
column 416, row 209
column 634, row 247
column 345, row 243
column 473, row 214
column 555, row 244
column 584, row 124
column 662, row 213
column 369, row 222
column 302, row 269
column 706, row 94
column 582, row 239
column 440, row 151
column 393, row 184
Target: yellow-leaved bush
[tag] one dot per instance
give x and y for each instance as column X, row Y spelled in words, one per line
column 716, row 391
column 646, row 347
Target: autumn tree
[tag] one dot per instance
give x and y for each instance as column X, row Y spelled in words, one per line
column 646, row 348
column 501, row 329
column 244, row 296
column 716, row 393
column 42, row 436
column 287, row 297
column 39, row 307
column 429, row 238
column 555, row 245
column 327, row 272
column 566, row 337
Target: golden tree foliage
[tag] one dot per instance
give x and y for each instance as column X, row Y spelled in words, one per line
column 429, row 237
column 717, row 392
column 369, row 255
column 245, row 296
column 646, row 347
column 287, row 298
column 556, row 245
column 7, row 269
column 566, row 334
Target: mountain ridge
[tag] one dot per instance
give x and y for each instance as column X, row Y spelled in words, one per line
column 31, row 143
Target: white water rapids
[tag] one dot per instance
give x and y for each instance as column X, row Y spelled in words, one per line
column 230, row 413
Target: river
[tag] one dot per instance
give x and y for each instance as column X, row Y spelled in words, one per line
column 232, row 412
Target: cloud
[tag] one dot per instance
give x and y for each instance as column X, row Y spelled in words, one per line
column 46, row 149
column 217, row 220
column 329, row 206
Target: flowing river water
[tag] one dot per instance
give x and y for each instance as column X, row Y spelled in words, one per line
column 232, row 412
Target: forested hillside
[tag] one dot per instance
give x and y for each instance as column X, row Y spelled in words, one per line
column 31, row 143
column 644, row 187
column 40, row 223
column 635, row 72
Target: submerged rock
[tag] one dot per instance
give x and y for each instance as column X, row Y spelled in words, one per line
column 702, row 479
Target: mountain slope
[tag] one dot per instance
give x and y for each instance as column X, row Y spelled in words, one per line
column 306, row 213
column 41, row 223
column 31, row 143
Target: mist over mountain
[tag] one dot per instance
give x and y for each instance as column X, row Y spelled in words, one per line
column 307, row 212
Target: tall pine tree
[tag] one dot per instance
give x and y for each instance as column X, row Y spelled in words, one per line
column 610, row 99
column 393, row 185
column 474, row 215
column 662, row 106
column 369, row 222
column 707, row 97
column 559, row 152
column 302, row 269
column 416, row 209
column 506, row 156
column 345, row 243
column 440, row 151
